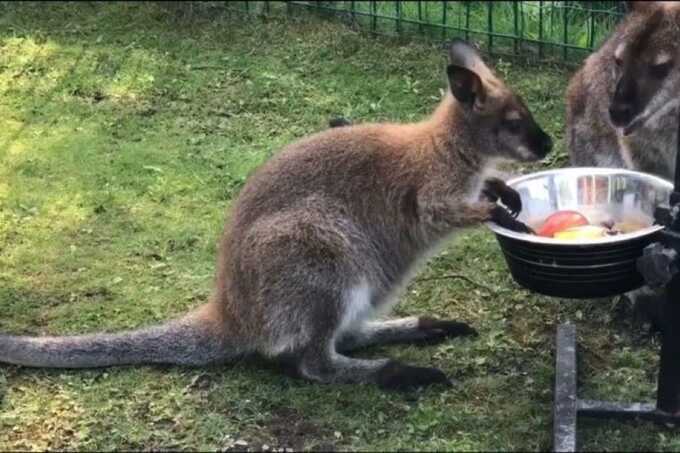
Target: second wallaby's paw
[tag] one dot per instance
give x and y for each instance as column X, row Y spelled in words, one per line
column 397, row 376
column 440, row 329
column 503, row 218
column 495, row 189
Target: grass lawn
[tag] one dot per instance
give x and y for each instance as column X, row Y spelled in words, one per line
column 125, row 133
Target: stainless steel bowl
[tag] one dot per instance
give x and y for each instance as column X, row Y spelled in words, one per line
column 592, row 268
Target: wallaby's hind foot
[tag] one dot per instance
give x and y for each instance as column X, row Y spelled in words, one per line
column 322, row 364
column 397, row 376
column 438, row 330
column 416, row 330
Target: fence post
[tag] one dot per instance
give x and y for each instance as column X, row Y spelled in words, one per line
column 515, row 6
column 565, row 38
column 397, row 6
column 540, row 30
column 467, row 21
column 490, row 25
column 444, row 13
column 374, row 9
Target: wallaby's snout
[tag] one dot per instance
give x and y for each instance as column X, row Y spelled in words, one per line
column 623, row 108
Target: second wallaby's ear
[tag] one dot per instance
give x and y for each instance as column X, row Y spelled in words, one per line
column 466, row 86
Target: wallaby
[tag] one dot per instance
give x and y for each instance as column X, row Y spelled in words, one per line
column 622, row 105
column 324, row 234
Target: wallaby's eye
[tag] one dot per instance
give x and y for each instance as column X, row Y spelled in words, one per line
column 512, row 126
column 660, row 70
column 618, row 61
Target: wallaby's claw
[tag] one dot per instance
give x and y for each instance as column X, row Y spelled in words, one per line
column 503, row 218
column 397, row 376
column 495, row 188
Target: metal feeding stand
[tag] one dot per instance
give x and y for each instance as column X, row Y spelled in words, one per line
column 660, row 267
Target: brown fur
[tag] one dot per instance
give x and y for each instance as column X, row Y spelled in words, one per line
column 324, row 234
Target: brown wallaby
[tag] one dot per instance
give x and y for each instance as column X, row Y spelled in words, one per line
column 324, row 234
column 622, row 104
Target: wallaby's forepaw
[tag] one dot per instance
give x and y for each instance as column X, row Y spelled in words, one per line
column 503, row 218
column 439, row 329
column 495, row 189
column 339, row 122
column 397, row 376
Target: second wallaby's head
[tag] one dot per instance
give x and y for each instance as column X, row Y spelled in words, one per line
column 500, row 118
column 646, row 64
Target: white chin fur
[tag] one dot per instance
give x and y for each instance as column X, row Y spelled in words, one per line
column 524, row 152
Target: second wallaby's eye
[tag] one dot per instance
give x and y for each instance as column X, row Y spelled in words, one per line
column 512, row 126
column 660, row 70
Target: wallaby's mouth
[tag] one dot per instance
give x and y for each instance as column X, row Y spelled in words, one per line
column 628, row 130
column 626, row 126
column 644, row 117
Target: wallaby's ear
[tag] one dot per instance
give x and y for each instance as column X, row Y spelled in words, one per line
column 463, row 54
column 465, row 72
column 466, row 86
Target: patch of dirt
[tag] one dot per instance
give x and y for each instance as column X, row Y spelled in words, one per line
column 293, row 430
column 290, row 431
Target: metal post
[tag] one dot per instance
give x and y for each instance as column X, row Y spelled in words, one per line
column 565, row 410
column 668, row 394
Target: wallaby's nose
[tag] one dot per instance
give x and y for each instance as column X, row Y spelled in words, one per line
column 621, row 114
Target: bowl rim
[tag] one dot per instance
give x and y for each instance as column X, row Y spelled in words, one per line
column 562, row 242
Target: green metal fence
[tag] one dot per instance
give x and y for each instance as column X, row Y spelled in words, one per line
column 541, row 30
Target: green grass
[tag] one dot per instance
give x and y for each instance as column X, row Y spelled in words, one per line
column 125, row 132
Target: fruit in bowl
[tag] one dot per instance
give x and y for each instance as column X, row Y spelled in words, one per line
column 573, row 226
column 561, row 220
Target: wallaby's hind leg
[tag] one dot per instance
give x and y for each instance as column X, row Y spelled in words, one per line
column 323, row 364
column 404, row 330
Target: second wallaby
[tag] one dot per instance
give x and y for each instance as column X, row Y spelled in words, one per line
column 622, row 105
column 324, row 234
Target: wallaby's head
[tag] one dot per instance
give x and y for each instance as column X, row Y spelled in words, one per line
column 646, row 65
column 502, row 122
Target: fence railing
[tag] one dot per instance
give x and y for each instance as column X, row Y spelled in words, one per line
column 541, row 30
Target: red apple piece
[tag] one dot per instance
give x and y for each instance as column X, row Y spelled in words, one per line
column 561, row 220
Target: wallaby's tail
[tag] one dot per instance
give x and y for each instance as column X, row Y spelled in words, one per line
column 196, row 339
